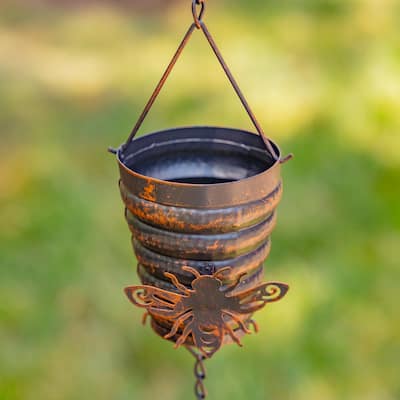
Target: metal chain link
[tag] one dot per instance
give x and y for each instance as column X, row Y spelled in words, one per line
column 199, row 373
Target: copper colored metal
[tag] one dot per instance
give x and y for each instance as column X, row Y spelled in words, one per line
column 202, row 197
column 201, row 203
column 208, row 311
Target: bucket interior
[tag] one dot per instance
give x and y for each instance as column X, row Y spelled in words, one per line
column 198, row 155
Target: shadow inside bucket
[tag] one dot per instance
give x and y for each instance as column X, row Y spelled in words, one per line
column 198, row 156
column 201, row 180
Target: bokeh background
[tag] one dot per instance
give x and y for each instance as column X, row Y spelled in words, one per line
column 323, row 76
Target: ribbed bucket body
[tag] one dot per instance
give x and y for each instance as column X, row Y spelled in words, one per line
column 202, row 197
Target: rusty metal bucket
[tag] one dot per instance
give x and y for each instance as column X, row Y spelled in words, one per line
column 203, row 197
column 201, row 205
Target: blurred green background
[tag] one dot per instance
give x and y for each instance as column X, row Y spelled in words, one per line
column 323, row 76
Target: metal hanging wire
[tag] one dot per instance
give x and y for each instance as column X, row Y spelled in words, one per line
column 198, row 10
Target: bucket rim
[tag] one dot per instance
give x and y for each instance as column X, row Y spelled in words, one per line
column 223, row 194
column 183, row 128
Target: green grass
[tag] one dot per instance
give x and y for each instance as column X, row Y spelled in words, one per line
column 323, row 78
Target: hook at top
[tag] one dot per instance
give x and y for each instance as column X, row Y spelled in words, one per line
column 198, row 16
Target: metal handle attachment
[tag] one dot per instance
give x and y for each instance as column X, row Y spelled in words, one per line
column 197, row 17
column 199, row 24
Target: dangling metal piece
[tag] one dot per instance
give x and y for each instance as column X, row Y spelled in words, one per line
column 199, row 373
column 201, row 203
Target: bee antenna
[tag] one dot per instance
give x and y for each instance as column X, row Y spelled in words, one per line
column 192, row 271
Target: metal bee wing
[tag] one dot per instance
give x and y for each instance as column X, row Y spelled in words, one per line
column 158, row 302
column 254, row 299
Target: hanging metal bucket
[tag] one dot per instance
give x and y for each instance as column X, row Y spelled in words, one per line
column 201, row 205
column 203, row 197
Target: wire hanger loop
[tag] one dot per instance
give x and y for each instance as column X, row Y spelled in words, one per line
column 197, row 16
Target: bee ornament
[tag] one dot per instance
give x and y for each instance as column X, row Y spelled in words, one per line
column 203, row 312
column 200, row 202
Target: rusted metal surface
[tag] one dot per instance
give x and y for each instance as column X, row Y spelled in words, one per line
column 191, row 220
column 207, row 311
column 203, row 198
column 246, row 171
column 218, row 246
column 156, row 264
column 181, row 215
column 201, row 203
